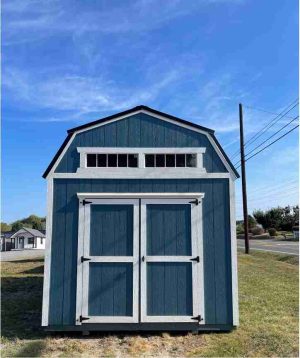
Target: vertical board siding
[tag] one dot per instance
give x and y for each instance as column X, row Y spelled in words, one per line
column 216, row 240
column 168, row 229
column 110, row 289
column 140, row 130
column 169, row 289
column 111, row 230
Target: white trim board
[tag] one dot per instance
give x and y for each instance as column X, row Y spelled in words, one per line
column 234, row 271
column 140, row 195
column 141, row 173
column 47, row 268
column 197, row 268
column 211, row 140
column 82, row 294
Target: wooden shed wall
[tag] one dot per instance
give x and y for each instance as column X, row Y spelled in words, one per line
column 216, row 238
column 140, row 130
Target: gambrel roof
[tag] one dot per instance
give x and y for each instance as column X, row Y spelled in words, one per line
column 135, row 110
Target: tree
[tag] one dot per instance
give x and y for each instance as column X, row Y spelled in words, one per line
column 278, row 218
column 17, row 225
column 5, row 227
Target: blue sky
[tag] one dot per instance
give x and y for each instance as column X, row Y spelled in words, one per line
column 65, row 63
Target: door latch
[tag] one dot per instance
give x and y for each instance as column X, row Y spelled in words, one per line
column 84, row 259
column 143, row 258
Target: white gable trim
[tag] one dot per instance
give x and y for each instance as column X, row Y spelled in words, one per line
column 212, row 142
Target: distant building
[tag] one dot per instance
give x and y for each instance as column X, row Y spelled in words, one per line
column 27, row 238
column 5, row 241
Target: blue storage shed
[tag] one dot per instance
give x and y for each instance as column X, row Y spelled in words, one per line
column 140, row 227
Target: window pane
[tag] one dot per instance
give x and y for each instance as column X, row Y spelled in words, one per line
column 180, row 160
column 133, row 160
column 112, row 160
column 191, row 160
column 101, row 160
column 170, row 160
column 149, row 158
column 91, row 160
column 160, row 160
column 122, row 160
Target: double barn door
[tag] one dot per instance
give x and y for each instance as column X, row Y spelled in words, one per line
column 140, row 260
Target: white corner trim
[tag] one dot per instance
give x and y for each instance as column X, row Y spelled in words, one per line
column 153, row 115
column 47, row 267
column 141, row 173
column 234, row 269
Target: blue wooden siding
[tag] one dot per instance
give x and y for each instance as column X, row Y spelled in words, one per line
column 168, row 229
column 111, row 230
column 140, row 130
column 110, row 289
column 216, row 236
column 169, row 289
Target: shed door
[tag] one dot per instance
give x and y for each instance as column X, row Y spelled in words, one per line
column 171, row 260
column 110, row 261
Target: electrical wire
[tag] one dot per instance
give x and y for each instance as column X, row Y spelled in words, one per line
column 267, row 146
column 266, row 140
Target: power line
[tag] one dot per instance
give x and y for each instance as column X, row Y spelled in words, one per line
column 265, row 111
column 267, row 146
column 268, row 126
column 266, row 140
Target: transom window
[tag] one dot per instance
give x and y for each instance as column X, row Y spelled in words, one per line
column 112, row 160
column 171, row 160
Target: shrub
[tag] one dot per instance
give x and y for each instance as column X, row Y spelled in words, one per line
column 257, row 230
column 240, row 229
column 272, row 232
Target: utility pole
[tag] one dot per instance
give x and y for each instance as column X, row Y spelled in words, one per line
column 244, row 186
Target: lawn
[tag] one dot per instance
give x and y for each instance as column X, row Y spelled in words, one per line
column 268, row 291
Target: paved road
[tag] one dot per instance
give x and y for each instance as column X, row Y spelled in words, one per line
column 284, row 247
column 21, row 255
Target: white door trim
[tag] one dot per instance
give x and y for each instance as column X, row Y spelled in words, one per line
column 83, row 267
column 197, row 250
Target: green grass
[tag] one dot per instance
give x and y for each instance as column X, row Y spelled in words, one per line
column 268, row 293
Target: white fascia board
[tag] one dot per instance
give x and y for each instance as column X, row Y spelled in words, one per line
column 225, row 162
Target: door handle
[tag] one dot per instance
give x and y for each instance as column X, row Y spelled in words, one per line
column 143, row 258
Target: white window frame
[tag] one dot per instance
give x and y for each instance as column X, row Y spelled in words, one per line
column 141, row 152
column 83, row 267
column 197, row 268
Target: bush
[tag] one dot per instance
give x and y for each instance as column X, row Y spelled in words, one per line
column 272, row 232
column 257, row 230
column 240, row 229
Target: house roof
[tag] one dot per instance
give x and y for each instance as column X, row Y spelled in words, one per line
column 33, row 232
column 86, row 126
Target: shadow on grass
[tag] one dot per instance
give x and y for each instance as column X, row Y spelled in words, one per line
column 36, row 270
column 21, row 304
column 31, row 260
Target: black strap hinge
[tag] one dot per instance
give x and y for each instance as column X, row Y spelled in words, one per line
column 197, row 258
column 84, row 202
column 84, row 259
column 83, row 318
column 196, row 202
column 198, row 318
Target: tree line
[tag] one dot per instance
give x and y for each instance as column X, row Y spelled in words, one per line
column 280, row 218
column 32, row 221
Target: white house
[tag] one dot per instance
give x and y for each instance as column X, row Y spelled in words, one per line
column 27, row 238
